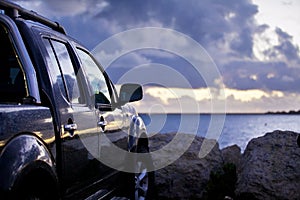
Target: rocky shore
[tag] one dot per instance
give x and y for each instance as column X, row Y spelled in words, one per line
column 269, row 168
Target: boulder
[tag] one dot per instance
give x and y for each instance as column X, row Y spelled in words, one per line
column 232, row 154
column 270, row 168
column 186, row 177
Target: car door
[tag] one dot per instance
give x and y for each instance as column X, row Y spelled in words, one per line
column 111, row 116
column 78, row 120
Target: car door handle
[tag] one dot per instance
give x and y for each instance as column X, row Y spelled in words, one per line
column 102, row 123
column 70, row 127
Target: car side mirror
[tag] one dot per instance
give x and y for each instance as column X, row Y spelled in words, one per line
column 130, row 92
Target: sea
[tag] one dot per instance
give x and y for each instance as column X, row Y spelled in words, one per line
column 227, row 129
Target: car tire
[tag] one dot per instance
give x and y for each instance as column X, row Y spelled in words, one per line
column 141, row 185
column 34, row 187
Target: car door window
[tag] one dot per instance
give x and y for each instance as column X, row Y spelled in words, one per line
column 63, row 71
column 55, row 69
column 97, row 80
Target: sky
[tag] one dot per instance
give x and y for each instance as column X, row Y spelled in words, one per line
column 233, row 56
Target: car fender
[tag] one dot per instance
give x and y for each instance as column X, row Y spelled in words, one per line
column 137, row 130
column 22, row 154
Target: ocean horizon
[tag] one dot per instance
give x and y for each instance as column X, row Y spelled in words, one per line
column 228, row 129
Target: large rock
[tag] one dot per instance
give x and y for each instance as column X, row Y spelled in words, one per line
column 232, row 154
column 187, row 177
column 270, row 168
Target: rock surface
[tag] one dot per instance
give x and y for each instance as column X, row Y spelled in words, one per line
column 187, row 177
column 232, row 154
column 270, row 167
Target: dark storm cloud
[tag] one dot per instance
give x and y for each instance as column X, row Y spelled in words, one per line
column 267, row 76
column 280, row 72
column 286, row 47
column 205, row 21
column 215, row 24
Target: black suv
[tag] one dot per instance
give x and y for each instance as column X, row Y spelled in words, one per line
column 65, row 133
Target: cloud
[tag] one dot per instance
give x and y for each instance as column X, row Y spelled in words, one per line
column 69, row 8
column 286, row 47
column 211, row 23
column 166, row 94
column 204, row 21
column 230, row 34
column 185, row 60
column 280, row 101
column 268, row 76
column 177, row 100
column 168, row 100
column 250, row 56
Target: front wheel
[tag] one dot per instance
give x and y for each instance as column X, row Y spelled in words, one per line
column 141, row 185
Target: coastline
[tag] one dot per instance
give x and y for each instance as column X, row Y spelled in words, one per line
column 233, row 128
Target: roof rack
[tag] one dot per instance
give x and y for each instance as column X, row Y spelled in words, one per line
column 15, row 11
